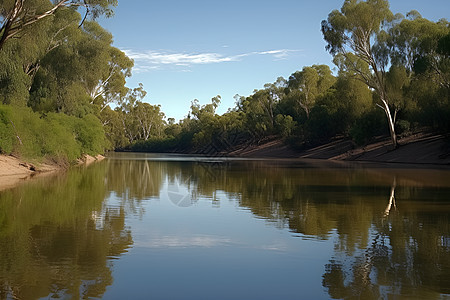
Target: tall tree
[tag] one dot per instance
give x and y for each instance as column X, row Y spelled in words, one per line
column 419, row 45
column 355, row 35
column 86, row 59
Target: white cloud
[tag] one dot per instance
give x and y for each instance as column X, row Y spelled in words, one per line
column 146, row 61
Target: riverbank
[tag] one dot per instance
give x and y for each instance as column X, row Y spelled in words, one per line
column 419, row 148
column 14, row 170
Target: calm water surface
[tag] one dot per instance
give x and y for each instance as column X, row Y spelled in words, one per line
column 140, row 226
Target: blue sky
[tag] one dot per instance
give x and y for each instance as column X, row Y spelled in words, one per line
column 185, row 50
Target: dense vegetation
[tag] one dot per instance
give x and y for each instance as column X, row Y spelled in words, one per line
column 58, row 73
column 393, row 78
column 63, row 94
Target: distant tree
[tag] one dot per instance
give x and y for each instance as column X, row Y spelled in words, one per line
column 308, row 84
column 149, row 118
column 113, row 126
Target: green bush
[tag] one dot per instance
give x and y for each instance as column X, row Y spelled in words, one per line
column 61, row 142
column 90, row 134
column 369, row 125
column 55, row 136
column 6, row 130
column 402, row 126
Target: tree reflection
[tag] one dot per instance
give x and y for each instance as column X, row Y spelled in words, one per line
column 51, row 244
column 403, row 258
column 133, row 181
column 59, row 236
column 391, row 202
column 378, row 253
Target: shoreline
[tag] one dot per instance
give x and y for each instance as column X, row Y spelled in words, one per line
column 13, row 170
column 420, row 150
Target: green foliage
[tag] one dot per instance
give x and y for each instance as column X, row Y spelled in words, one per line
column 156, row 145
column 66, row 73
column 402, row 126
column 55, row 136
column 285, row 125
column 309, row 84
column 60, row 142
column 368, row 126
column 69, row 75
column 90, row 135
column 6, row 130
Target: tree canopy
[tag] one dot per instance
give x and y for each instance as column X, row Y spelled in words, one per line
column 69, row 68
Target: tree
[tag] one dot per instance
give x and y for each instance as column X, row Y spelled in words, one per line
column 85, row 59
column 150, row 119
column 308, row 84
column 111, row 86
column 420, row 57
column 130, row 124
column 17, row 16
column 355, row 36
column 420, row 46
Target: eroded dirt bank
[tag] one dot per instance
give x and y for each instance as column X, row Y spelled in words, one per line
column 14, row 170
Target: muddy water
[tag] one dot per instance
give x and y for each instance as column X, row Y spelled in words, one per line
column 140, row 226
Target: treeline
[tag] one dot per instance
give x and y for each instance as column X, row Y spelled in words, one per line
column 63, row 93
column 393, row 78
column 59, row 74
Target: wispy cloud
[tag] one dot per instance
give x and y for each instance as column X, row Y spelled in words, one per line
column 146, row 61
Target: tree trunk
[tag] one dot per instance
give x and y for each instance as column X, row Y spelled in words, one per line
column 391, row 199
column 390, row 123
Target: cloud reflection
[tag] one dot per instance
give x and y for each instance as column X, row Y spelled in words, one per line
column 204, row 241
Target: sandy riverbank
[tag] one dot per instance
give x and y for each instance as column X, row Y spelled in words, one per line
column 14, row 170
column 421, row 148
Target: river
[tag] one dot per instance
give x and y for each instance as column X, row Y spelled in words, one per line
column 145, row 226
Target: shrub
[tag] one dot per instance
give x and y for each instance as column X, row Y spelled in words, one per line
column 90, row 134
column 402, row 126
column 56, row 136
column 6, row 130
column 369, row 125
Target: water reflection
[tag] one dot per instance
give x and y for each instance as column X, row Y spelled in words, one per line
column 53, row 243
column 380, row 250
column 390, row 228
column 408, row 253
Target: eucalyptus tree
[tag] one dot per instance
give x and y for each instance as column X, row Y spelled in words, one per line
column 110, row 87
column 104, row 68
column 85, row 63
column 259, row 111
column 150, row 120
column 21, row 58
column 126, row 109
column 355, row 37
column 420, row 46
column 18, row 16
column 420, row 57
column 308, row 84
column 204, row 121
